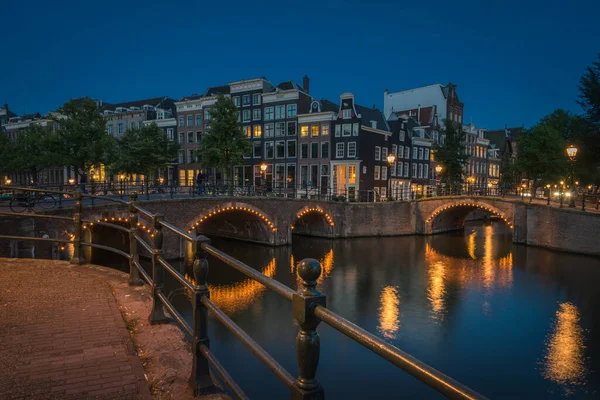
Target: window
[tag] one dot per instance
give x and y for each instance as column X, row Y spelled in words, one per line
column 190, row 137
column 384, row 153
column 384, row 173
column 279, row 112
column 190, row 156
column 384, row 192
column 257, row 131
column 280, row 174
column 181, row 138
column 256, row 99
column 399, row 169
column 198, row 137
column 314, row 150
column 355, row 129
column 406, row 170
column 190, row 120
column 111, row 128
column 351, row 173
column 420, row 170
column 377, row 172
column 246, row 115
column 314, row 130
column 181, row 157
column 269, row 114
column 291, row 175
column 426, row 157
column 170, row 134
column 325, row 150
column 304, row 150
column 269, row 128
column 304, row 175
column 304, row 131
column 207, row 114
column 246, row 100
column 346, row 129
column 181, row 121
column 133, row 124
column 351, row 149
column 280, row 129
column 377, row 153
column 247, row 131
column 291, row 128
column 415, row 151
column 339, row 150
column 347, row 114
column 420, row 153
column 414, row 170
column 236, row 101
column 120, row 128
column 338, row 130
column 291, row 149
column 140, row 124
column 256, row 114
column 198, row 119
column 291, row 110
column 280, row 149
column 256, row 149
column 324, row 170
column 269, row 149
column 324, row 130
column 239, row 116
column 394, row 149
column 426, row 171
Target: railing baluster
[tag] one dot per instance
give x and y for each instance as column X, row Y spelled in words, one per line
column 308, row 344
column 157, row 315
column 77, row 259
column 200, row 378
column 134, row 274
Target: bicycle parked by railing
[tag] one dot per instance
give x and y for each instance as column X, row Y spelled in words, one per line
column 22, row 201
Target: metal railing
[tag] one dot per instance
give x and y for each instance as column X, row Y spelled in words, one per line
column 308, row 308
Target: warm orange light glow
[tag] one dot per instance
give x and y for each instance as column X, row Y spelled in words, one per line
column 389, row 312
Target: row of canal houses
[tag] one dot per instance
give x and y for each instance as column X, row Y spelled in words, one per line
column 310, row 145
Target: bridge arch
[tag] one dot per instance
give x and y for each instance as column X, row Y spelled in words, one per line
column 313, row 221
column 452, row 215
column 235, row 220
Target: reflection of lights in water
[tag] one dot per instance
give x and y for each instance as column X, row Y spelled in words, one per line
column 489, row 270
column 471, row 245
column 564, row 361
column 437, row 288
column 506, row 270
column 389, row 322
column 326, row 266
column 292, row 264
column 238, row 296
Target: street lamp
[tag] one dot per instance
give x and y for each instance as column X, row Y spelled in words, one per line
column 8, row 181
column 438, row 171
column 572, row 153
column 71, row 181
column 391, row 159
column 263, row 174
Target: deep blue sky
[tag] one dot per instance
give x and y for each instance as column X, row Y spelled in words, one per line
column 513, row 61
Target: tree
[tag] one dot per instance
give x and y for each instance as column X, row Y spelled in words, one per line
column 451, row 155
column 32, row 151
column 509, row 175
column 5, row 154
column 81, row 132
column 542, row 153
column 143, row 151
column 589, row 94
column 224, row 144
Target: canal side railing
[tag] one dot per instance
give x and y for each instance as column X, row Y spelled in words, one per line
column 309, row 307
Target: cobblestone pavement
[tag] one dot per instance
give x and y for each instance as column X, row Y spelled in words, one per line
column 62, row 336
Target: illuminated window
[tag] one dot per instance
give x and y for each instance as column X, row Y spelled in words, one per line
column 257, row 131
column 248, row 131
column 182, row 177
column 314, row 130
column 384, row 173
column 324, row 130
column 377, row 172
column 304, row 131
column 351, row 173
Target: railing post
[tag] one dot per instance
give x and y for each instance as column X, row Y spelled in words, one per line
column 77, row 259
column 308, row 344
column 60, row 196
column 134, row 274
column 200, row 379
column 157, row 315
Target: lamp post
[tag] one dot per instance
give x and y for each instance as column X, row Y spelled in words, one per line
column 438, row 171
column 391, row 159
column 572, row 153
column 263, row 175
column 8, row 181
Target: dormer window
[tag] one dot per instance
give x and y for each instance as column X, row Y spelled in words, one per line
column 374, row 124
column 347, row 114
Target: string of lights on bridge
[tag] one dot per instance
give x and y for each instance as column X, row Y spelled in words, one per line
column 315, row 210
column 439, row 211
column 232, row 208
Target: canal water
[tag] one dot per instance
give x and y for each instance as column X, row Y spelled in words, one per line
column 509, row 321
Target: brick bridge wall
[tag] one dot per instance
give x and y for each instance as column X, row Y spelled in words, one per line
column 272, row 221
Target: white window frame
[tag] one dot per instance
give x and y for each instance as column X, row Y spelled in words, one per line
column 347, row 114
column 355, row 129
column 349, row 130
column 269, row 114
column 272, row 130
column 279, row 115
column 377, row 173
column 260, row 146
column 415, row 153
column 414, row 171
column 353, row 147
column 265, row 154
column 426, row 155
column 399, row 171
column 323, row 144
column 287, row 128
column 256, row 99
column 237, row 101
column 254, row 129
column 406, row 169
column 377, row 153
column 426, row 171
column 339, row 150
column 420, row 169
column 248, row 114
column 256, row 114
column 420, row 153
column 324, row 130
column 244, row 97
column 287, row 153
column 384, row 173
column 338, row 130
column 284, row 149
column 292, row 110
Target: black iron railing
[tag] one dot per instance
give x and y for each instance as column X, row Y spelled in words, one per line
column 309, row 307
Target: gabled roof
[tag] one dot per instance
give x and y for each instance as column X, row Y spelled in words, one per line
column 372, row 114
column 503, row 138
column 215, row 90
column 33, row 116
column 287, row 85
column 192, row 97
column 329, row 106
column 155, row 102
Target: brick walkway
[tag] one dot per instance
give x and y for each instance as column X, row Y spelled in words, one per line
column 62, row 336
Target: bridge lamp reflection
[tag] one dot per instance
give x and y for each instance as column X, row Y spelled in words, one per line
column 8, row 181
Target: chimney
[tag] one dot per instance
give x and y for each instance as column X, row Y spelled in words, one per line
column 305, row 83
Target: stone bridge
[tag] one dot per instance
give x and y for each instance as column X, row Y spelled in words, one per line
column 273, row 221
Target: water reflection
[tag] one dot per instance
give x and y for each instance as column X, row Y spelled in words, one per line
column 564, row 362
column 389, row 312
column 437, row 288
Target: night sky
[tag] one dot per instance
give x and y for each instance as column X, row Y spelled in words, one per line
column 513, row 61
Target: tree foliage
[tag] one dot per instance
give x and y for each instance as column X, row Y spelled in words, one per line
column 224, row 144
column 81, row 132
column 143, row 151
column 589, row 94
column 509, row 175
column 451, row 155
column 32, row 151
